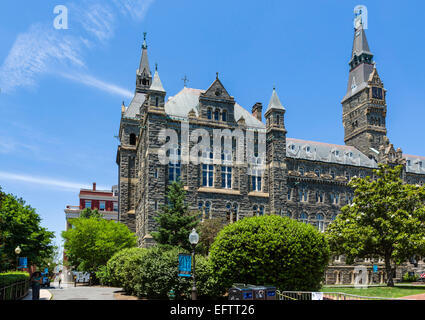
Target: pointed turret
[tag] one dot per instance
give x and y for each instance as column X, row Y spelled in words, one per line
column 144, row 76
column 156, row 91
column 156, row 82
column 275, row 102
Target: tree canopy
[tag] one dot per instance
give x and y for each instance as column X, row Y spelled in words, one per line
column 20, row 225
column 91, row 242
column 386, row 219
column 175, row 222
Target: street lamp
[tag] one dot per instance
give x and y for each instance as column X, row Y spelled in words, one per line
column 18, row 252
column 194, row 239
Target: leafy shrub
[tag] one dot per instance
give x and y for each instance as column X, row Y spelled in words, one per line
column 270, row 250
column 119, row 270
column 410, row 278
column 8, row 278
column 153, row 273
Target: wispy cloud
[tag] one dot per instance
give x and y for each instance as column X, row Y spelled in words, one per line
column 99, row 84
column 46, row 181
column 44, row 50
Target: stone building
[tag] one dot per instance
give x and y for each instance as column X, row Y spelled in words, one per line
column 305, row 180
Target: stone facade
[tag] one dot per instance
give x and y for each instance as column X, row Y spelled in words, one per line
column 304, row 180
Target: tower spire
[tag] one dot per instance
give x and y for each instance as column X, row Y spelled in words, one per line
column 144, row 76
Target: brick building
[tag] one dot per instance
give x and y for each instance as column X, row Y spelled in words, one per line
column 304, row 180
column 105, row 201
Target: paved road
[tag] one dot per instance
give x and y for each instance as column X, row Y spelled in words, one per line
column 82, row 293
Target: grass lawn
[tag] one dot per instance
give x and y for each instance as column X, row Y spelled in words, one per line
column 398, row 291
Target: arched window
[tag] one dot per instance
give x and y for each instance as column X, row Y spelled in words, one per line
column 132, row 139
column 209, row 114
column 224, row 115
column 261, row 211
column 317, row 172
column 156, row 101
column 235, row 212
column 304, row 217
column 254, row 210
column 320, row 222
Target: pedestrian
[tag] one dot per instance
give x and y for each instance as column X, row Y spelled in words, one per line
column 36, row 281
column 60, row 278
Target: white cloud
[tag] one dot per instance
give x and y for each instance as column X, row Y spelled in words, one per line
column 99, row 84
column 45, row 50
column 137, row 9
column 45, row 181
column 38, row 51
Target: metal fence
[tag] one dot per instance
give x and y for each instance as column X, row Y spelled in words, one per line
column 304, row 295
column 14, row 291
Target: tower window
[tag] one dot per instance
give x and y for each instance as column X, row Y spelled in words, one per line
column 132, row 139
column 209, row 114
column 216, row 115
column 156, row 101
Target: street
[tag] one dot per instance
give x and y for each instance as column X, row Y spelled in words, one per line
column 69, row 292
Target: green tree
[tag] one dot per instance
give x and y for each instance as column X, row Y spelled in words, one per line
column 386, row 219
column 271, row 250
column 208, row 231
column 174, row 221
column 87, row 213
column 20, row 225
column 91, row 242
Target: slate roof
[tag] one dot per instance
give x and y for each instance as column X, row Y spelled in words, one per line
column 275, row 102
column 358, row 79
column 135, row 105
column 156, row 83
column 325, row 152
column 415, row 164
column 188, row 98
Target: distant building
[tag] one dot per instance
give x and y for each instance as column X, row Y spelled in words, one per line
column 105, row 201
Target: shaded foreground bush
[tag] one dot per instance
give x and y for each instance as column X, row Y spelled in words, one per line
column 9, row 278
column 270, row 250
column 153, row 273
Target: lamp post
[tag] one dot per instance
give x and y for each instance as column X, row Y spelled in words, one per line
column 193, row 239
column 18, row 252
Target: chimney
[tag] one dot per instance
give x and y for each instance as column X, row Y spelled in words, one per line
column 257, row 111
column 94, row 186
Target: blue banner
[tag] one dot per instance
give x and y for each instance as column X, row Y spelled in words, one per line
column 185, row 265
column 23, row 263
column 375, row 268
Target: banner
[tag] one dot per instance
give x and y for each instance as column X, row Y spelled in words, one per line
column 23, row 263
column 185, row 265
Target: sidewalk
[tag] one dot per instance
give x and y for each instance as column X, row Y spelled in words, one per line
column 44, row 295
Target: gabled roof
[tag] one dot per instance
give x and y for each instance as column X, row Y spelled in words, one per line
column 188, row 98
column 326, row 152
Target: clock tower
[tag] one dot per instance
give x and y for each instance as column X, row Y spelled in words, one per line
column 364, row 105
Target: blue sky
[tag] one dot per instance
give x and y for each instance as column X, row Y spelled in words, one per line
column 61, row 90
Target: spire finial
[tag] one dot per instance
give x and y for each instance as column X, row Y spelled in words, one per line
column 156, row 66
column 144, row 46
